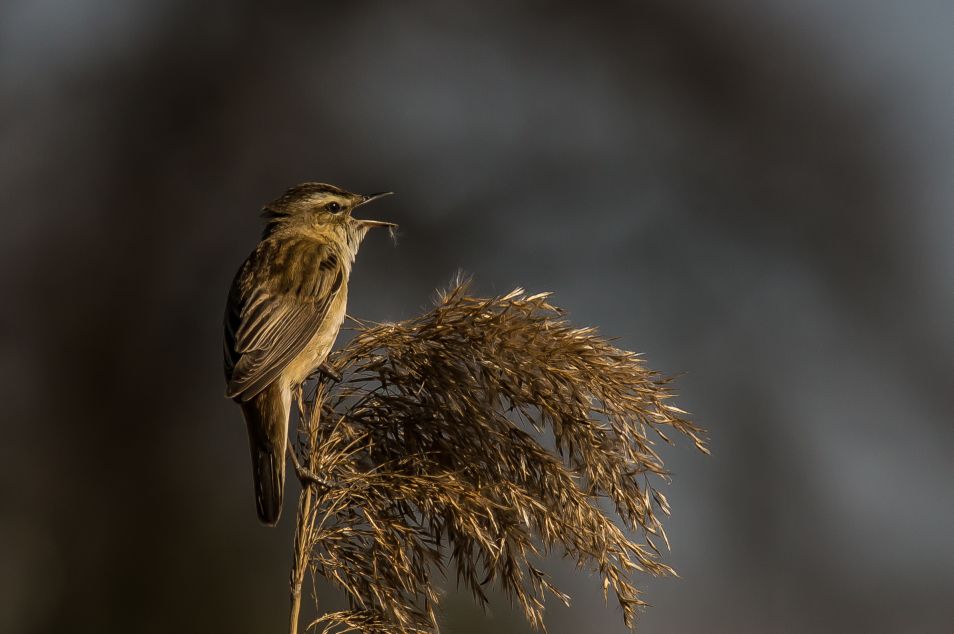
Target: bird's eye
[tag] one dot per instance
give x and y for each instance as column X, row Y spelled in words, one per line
column 333, row 207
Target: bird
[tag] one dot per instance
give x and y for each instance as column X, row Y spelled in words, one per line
column 283, row 313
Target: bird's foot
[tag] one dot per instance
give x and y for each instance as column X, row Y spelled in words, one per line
column 326, row 370
column 306, row 476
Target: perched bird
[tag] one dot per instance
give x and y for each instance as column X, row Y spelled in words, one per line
column 284, row 311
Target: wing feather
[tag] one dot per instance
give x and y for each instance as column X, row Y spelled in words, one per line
column 278, row 302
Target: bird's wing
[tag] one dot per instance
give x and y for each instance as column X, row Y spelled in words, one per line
column 277, row 303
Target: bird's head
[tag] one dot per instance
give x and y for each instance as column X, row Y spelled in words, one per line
column 321, row 206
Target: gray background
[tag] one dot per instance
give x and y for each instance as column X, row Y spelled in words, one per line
column 757, row 193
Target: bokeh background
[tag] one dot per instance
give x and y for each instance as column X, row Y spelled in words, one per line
column 759, row 194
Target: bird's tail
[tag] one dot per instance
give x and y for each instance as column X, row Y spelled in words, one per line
column 266, row 416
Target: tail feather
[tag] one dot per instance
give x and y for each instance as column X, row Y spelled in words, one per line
column 266, row 416
column 269, row 484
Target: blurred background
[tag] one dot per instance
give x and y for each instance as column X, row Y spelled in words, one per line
column 759, row 194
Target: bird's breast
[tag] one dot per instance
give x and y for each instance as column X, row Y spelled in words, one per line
column 317, row 349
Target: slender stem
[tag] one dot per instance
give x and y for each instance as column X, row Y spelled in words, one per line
column 303, row 526
column 300, row 565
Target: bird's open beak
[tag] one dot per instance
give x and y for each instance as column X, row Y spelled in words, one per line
column 371, row 197
column 374, row 223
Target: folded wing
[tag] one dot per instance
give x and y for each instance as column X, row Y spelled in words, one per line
column 277, row 303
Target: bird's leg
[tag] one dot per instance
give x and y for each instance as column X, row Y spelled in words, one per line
column 306, row 476
column 328, row 371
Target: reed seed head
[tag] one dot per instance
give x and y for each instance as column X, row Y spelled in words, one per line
column 474, row 440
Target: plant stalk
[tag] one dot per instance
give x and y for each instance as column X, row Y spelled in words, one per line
column 300, row 564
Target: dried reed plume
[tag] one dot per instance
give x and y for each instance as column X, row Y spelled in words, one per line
column 431, row 454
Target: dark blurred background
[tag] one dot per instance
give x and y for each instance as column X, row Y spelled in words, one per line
column 759, row 194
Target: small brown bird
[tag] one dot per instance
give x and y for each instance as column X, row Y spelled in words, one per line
column 284, row 311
